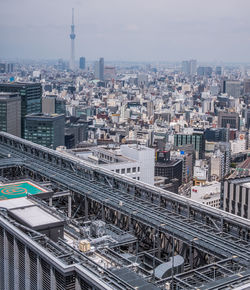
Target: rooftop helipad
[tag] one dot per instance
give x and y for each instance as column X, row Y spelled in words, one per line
column 19, row 189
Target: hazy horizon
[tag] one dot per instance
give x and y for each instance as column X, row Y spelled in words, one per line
column 132, row 30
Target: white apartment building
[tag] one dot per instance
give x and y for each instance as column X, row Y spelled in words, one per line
column 238, row 146
column 217, row 165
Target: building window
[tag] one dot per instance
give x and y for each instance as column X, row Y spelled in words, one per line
column 128, row 170
column 117, row 171
column 134, row 169
column 138, row 169
column 123, row 170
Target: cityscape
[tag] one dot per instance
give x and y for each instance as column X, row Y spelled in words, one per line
column 124, row 165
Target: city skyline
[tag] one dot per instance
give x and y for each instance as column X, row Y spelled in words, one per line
column 124, row 144
column 133, row 31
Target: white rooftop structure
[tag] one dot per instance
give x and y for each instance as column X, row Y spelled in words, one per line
column 34, row 216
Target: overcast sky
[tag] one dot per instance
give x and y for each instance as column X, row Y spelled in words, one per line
column 140, row 30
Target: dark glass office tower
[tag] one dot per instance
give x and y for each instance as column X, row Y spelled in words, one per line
column 82, row 63
column 10, row 113
column 216, row 134
column 45, row 129
column 31, row 95
column 196, row 139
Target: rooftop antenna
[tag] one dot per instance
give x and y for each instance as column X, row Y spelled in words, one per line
column 72, row 37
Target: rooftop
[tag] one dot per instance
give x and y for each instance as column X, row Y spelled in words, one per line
column 6, row 96
column 19, row 84
column 33, row 216
column 40, row 116
column 19, row 189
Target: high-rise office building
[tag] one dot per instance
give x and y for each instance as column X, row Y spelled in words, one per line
column 247, row 118
column 189, row 67
column 236, row 196
column 60, row 106
column 228, row 120
column 47, row 130
column 79, row 130
column 2, row 68
column 197, row 139
column 218, row 70
column 51, row 104
column 72, row 37
column 10, row 67
column 171, row 169
column 31, row 96
column 193, row 66
column 10, row 113
column 247, row 86
column 204, row 71
column 82, row 63
column 6, row 67
column 216, row 135
column 99, row 69
column 232, row 88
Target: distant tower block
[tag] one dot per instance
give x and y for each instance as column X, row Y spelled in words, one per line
column 72, row 37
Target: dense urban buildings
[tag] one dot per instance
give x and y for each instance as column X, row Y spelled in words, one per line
column 124, row 175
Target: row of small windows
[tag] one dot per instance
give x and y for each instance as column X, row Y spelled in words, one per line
column 214, row 203
column 129, row 170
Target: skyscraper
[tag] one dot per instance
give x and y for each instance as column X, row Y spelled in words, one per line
column 218, row 70
column 10, row 113
column 45, row 129
column 204, row 71
column 197, row 139
column 2, row 68
column 247, row 86
column 31, row 96
column 247, row 118
column 82, row 63
column 189, row 67
column 6, row 67
column 99, row 69
column 72, row 37
column 232, row 88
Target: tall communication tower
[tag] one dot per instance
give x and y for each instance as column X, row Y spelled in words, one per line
column 72, row 37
